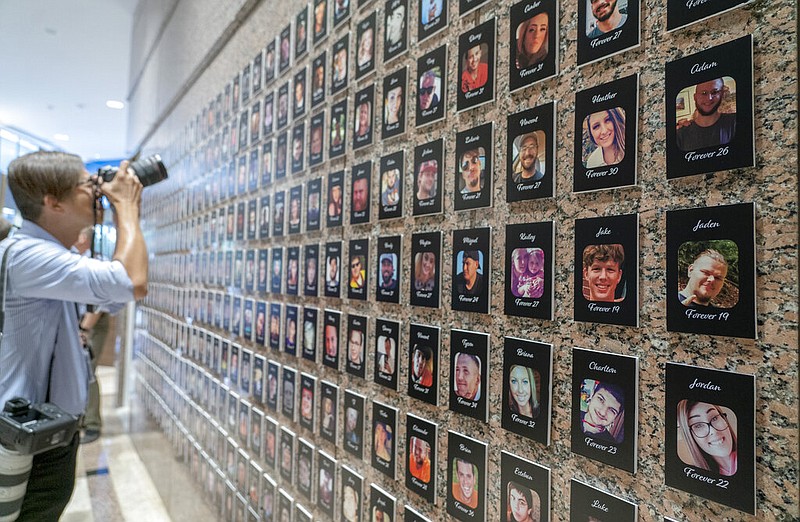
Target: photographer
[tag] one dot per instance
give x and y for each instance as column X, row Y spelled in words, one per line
column 41, row 355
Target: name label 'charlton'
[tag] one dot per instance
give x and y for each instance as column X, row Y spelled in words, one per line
column 604, row 368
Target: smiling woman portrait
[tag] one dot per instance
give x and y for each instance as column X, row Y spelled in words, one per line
column 604, row 137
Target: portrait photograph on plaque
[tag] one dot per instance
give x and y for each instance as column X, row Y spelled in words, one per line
column 275, row 325
column 245, row 85
column 282, row 114
column 395, row 33
column 466, row 477
column 326, row 484
column 387, row 344
column 320, row 20
column 426, row 255
column 255, row 132
column 311, row 277
column 606, row 123
column 318, row 78
column 381, row 504
column 589, row 503
column 286, row 454
column 310, row 333
column 352, row 495
column 281, row 146
column 605, row 407
column 711, row 264
column 357, row 269
column 295, row 216
column 388, row 259
column 269, row 62
column 471, row 270
column 533, row 43
column 305, row 472
column 273, row 376
column 268, row 119
column 469, row 373
column 421, row 445
column 363, row 117
column 298, row 147
column 530, row 171
column 329, row 400
column 711, row 271
column 332, row 323
column 278, row 210
column 431, row 18
column 423, row 363
column 431, row 102
column 266, row 164
column 473, row 166
column 276, row 276
column 394, row 103
column 606, row 28
column 713, row 113
column 354, row 423
column 313, row 203
column 710, row 427
column 356, row 363
column 428, row 175
column 339, row 63
column 366, row 33
column 285, row 504
column 476, row 65
column 606, row 275
column 341, row 11
column 335, row 199
column 308, row 404
column 384, row 438
column 392, row 171
column 292, row 270
column 338, row 129
column 524, row 489
column 299, row 96
column 301, row 33
column 527, row 388
column 288, row 387
column 290, row 342
column 333, row 260
column 529, row 270
column 360, row 190
column 316, row 139
column 412, row 515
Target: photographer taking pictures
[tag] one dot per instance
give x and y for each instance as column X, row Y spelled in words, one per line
column 42, row 358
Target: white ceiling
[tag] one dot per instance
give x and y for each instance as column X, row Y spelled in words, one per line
column 60, row 60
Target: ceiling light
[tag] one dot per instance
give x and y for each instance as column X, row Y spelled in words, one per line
column 61, row 137
column 114, row 104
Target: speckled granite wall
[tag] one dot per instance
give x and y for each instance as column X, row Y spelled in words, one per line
column 772, row 185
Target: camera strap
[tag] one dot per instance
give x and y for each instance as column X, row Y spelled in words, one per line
column 3, row 286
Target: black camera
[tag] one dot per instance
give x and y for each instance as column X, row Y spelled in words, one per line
column 30, row 429
column 149, row 170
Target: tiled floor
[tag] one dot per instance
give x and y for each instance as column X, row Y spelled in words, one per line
column 114, row 481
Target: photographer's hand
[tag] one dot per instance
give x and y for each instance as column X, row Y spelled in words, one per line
column 124, row 192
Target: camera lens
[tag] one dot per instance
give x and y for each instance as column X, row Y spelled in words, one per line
column 149, row 170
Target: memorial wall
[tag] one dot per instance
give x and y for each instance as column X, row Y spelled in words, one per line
column 487, row 260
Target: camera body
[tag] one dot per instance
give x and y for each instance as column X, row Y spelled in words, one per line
column 149, row 170
column 30, row 429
